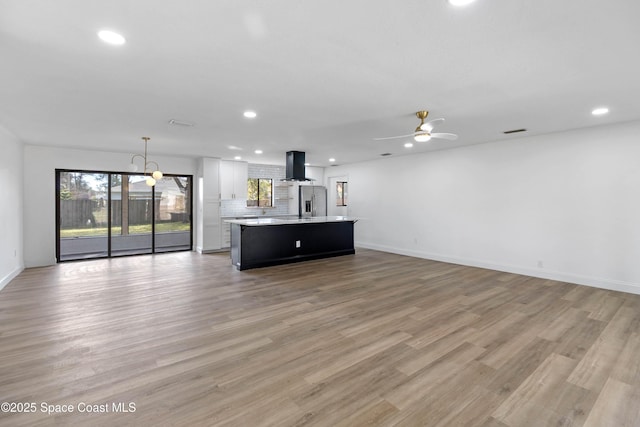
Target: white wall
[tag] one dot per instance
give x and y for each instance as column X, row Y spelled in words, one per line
column 40, row 164
column 11, row 253
column 564, row 206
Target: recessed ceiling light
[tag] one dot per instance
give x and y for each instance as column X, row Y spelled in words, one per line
column 237, row 158
column 307, row 164
column 111, row 37
column 460, row 2
column 408, row 144
column 600, row 111
column 332, row 159
column 258, row 151
column 250, row 114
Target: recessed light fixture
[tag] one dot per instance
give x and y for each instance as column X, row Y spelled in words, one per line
column 111, row 37
column 408, row 144
column 600, row 111
column 250, row 114
column 460, row 2
column 332, row 160
column 237, row 158
column 258, row 151
column 307, row 164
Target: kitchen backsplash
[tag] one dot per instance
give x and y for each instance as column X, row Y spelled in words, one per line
column 238, row 207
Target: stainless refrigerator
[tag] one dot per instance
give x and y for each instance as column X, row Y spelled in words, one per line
column 312, row 200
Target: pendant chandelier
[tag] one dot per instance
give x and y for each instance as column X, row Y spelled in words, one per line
column 152, row 174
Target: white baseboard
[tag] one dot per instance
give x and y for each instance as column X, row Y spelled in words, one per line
column 9, row 277
column 596, row 282
column 211, row 251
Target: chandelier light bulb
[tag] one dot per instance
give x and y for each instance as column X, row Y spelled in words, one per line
column 156, row 175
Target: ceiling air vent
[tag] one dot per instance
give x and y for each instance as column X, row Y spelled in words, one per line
column 385, row 154
column 176, row 122
column 506, row 132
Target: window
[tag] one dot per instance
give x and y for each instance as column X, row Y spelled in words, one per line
column 260, row 192
column 341, row 193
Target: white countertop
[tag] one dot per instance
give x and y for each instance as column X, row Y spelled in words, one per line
column 284, row 221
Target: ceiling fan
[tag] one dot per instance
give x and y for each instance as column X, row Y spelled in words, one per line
column 423, row 131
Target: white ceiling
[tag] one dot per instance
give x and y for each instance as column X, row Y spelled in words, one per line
column 324, row 76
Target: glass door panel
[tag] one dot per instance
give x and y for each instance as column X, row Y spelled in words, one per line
column 82, row 215
column 135, row 209
column 173, row 214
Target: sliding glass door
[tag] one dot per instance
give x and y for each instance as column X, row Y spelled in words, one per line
column 102, row 214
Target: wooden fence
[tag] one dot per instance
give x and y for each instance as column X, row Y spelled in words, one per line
column 81, row 213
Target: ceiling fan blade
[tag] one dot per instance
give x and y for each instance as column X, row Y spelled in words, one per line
column 449, row 136
column 431, row 124
column 394, row 137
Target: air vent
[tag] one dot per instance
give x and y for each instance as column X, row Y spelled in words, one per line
column 385, row 154
column 176, row 122
column 506, row 132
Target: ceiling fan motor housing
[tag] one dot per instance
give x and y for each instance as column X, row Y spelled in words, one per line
column 421, row 115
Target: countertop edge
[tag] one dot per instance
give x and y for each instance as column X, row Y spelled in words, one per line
column 257, row 222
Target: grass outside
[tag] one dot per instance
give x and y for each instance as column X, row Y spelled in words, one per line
column 163, row 227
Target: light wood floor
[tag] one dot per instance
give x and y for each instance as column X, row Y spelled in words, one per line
column 362, row 340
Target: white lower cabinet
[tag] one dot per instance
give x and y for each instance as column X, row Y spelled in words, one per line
column 225, row 238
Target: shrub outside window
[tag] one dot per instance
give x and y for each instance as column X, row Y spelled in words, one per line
column 260, row 192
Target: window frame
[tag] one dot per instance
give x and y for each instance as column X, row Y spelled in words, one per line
column 259, row 198
column 341, row 201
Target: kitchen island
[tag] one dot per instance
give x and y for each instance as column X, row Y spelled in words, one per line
column 261, row 242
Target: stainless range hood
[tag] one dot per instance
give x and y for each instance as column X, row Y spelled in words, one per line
column 295, row 166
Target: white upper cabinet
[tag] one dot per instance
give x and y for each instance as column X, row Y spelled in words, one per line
column 233, row 179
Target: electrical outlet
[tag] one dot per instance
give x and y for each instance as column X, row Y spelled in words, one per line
column 297, row 243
